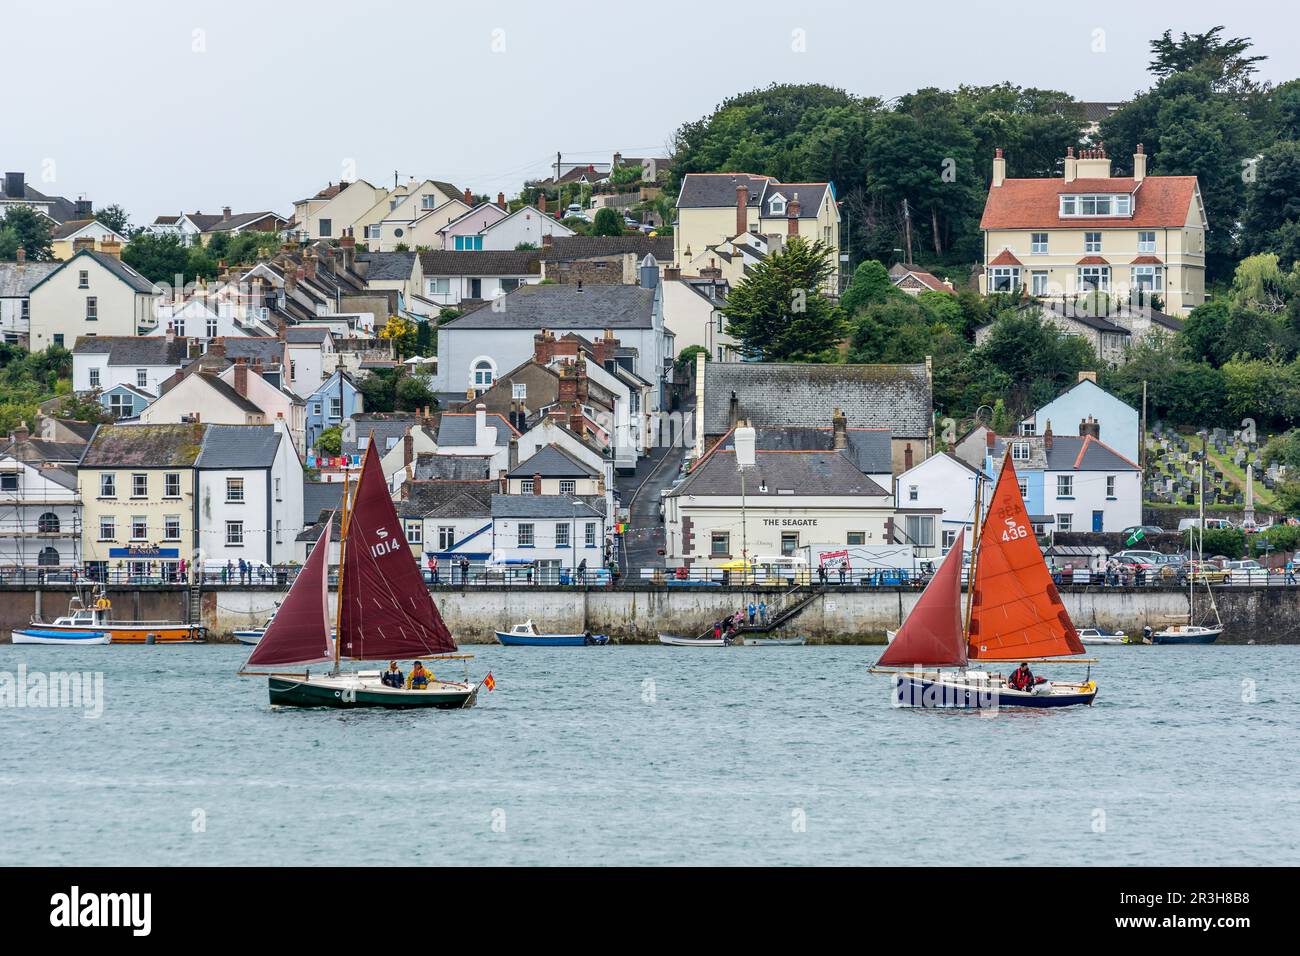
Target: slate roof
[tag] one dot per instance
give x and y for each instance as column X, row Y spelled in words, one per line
column 476, row 504
column 895, row 397
column 38, row 451
column 389, row 266
column 253, row 347
column 144, row 446
column 71, row 227
column 593, row 247
column 17, row 280
column 868, row 448
column 444, row 262
column 900, row 273
column 424, row 497
column 552, row 461
column 784, row 474
column 456, row 429
column 236, row 221
column 710, row 190
column 1095, row 112
column 565, row 306
column 1068, row 453
column 239, row 446
column 114, row 265
column 542, row 506
column 1161, row 202
column 225, row 390
column 810, row 197
column 318, row 496
column 380, row 430
column 431, row 467
column 134, row 350
column 306, row 336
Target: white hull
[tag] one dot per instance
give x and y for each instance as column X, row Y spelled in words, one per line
column 249, row 637
column 1103, row 640
column 672, row 641
column 775, row 641
column 18, row 637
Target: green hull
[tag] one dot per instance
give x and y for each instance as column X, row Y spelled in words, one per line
column 293, row 693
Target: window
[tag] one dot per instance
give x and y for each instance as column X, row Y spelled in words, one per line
column 440, row 286
column 1110, row 486
column 234, row 490
column 518, row 391
column 326, row 227
column 25, row 310
column 171, row 485
column 561, row 535
column 92, row 309
column 372, row 232
column 1024, row 487
column 1092, row 242
column 1103, row 204
column 172, row 528
column 83, row 279
column 212, row 327
column 920, row 530
column 277, row 490
column 1149, row 278
column 293, row 370
column 526, row 534
column 1146, row 242
column 107, row 528
column 527, row 486
column 1004, row 279
column 913, row 493
column 1065, row 522
column 1020, row 451
column 94, row 378
column 720, row 544
column 142, row 378
column 1068, row 205
column 336, row 408
column 8, row 481
column 108, row 485
column 414, row 531
column 1038, row 283
column 509, row 285
column 48, row 523
column 1065, row 486
column 1094, row 278
column 278, row 538
column 234, row 534
column 427, row 202
column 469, row 243
column 949, row 539
column 789, row 542
column 139, row 528
column 857, row 537
column 139, row 485
column 446, row 538
column 483, row 374
column 589, row 538
column 1038, row 243
column 121, row 405
column 568, row 486
column 722, row 323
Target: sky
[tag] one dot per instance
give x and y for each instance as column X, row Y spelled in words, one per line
column 171, row 105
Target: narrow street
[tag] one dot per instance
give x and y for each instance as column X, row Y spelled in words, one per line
column 639, row 492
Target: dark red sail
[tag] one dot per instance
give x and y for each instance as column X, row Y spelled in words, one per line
column 300, row 632
column 386, row 611
column 932, row 634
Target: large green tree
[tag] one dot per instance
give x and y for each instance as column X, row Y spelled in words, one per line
column 607, row 222
column 780, row 312
column 24, row 228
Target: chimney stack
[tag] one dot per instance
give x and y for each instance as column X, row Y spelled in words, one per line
column 408, row 448
column 21, row 433
column 1088, row 377
column 501, row 200
column 83, row 243
column 742, row 207
column 1071, row 165
column 1139, row 164
column 840, row 430
column 792, row 216
column 537, row 483
column 999, row 168
column 111, row 247
column 907, row 457
column 543, row 347
column 20, row 255
column 241, row 377
column 541, row 203
column 468, row 197
column 990, row 439
column 1090, row 426
column 225, row 214
column 1047, row 436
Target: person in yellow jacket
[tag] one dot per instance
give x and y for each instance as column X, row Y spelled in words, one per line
column 419, row 679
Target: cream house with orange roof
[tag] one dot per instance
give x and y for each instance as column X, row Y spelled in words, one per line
column 1091, row 230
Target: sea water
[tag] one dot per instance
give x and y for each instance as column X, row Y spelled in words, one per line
column 653, row 755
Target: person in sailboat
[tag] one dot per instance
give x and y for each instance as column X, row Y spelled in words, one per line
column 1022, row 678
column 393, row 676
column 419, row 677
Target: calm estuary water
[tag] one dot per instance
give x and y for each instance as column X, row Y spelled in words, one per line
column 649, row 755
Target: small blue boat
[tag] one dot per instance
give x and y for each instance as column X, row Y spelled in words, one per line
column 526, row 635
column 36, row 636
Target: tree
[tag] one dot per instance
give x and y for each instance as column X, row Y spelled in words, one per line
column 24, row 228
column 870, row 285
column 686, row 357
column 1030, row 359
column 413, row 392
column 780, row 312
column 607, row 223
column 1273, row 200
column 400, row 333
column 115, row 218
column 1222, row 59
column 1001, row 422
column 159, row 258
column 330, row 441
column 379, row 390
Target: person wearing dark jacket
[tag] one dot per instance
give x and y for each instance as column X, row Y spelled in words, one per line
column 1022, row 678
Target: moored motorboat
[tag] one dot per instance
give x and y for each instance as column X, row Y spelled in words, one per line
column 527, row 635
column 96, row 615
column 1097, row 635
column 32, row 635
column 1013, row 613
column 1186, row 634
column 385, row 613
column 773, row 641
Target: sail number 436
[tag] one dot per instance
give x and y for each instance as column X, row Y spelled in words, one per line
column 1013, row 531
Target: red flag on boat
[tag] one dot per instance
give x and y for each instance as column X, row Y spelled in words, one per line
column 932, row 634
column 300, row 631
column 386, row 611
column 490, row 682
column 1016, row 610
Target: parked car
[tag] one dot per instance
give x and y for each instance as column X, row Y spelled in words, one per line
column 1186, row 524
column 1246, row 572
column 1206, row 572
column 1146, row 529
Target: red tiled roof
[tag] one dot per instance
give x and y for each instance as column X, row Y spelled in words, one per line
column 1159, row 201
column 1092, row 261
column 1005, row 258
column 1147, row 261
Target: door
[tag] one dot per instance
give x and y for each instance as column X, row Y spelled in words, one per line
column 1096, row 520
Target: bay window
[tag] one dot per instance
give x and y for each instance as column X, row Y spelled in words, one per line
column 1004, row 279
column 1094, row 278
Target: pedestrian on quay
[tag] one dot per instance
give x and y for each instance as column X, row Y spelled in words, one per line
column 753, row 610
column 844, row 570
column 464, row 571
column 821, row 574
column 225, row 572
column 1290, row 571
column 433, row 569
column 762, row 613
column 582, row 571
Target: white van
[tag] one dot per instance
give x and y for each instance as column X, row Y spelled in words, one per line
column 1186, row 524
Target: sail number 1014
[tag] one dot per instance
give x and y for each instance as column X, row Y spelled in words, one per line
column 386, row 544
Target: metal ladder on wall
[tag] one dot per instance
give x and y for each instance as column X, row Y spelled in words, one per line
column 195, row 604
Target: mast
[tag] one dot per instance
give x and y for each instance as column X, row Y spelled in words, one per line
column 974, row 551
column 343, row 555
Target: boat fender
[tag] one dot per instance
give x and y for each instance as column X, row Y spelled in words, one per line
column 103, row 604
column 151, row 638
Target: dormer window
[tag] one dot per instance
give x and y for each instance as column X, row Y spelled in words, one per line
column 1097, row 204
column 777, row 205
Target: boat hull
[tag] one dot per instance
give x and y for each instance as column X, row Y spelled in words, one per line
column 46, row 636
column 249, row 637
column 912, row 690
column 775, row 641
column 344, row 692
column 550, row 640
column 137, row 633
column 672, row 641
column 1206, row 636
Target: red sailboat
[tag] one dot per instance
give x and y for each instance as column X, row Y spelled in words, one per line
column 385, row 613
column 1013, row 613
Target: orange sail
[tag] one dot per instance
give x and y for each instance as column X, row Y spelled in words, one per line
column 932, row 634
column 1016, row 612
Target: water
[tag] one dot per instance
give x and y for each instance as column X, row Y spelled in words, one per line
column 649, row 755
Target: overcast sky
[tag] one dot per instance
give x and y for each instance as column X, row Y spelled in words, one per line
column 170, row 105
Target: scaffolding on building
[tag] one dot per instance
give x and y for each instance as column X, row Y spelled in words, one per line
column 31, row 527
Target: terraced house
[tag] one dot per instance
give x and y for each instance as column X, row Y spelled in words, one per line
column 1094, row 231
